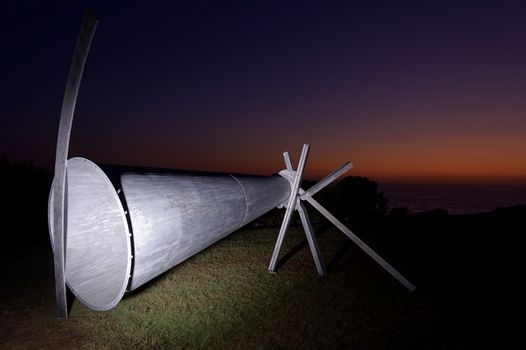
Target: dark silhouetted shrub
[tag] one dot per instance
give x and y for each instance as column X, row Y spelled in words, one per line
column 24, row 192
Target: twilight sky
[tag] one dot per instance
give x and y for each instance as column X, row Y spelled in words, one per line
column 407, row 91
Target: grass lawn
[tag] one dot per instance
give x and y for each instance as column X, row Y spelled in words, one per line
column 224, row 297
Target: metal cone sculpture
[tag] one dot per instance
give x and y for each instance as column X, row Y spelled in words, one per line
column 114, row 228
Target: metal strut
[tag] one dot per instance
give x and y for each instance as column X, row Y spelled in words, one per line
column 297, row 195
column 76, row 69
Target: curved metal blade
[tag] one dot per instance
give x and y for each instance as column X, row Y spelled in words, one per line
column 76, row 69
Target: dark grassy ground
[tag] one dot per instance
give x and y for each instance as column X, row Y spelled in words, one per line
column 468, row 271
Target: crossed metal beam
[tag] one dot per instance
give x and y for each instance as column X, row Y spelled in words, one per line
column 297, row 195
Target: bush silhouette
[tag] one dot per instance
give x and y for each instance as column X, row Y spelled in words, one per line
column 24, row 192
column 356, row 198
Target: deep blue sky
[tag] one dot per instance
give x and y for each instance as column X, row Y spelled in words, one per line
column 406, row 90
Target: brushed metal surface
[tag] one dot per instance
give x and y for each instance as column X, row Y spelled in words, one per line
column 174, row 216
column 98, row 250
column 261, row 194
column 87, row 31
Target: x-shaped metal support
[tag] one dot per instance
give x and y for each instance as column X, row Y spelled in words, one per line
column 297, row 195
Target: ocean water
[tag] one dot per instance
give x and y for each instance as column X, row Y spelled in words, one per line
column 456, row 199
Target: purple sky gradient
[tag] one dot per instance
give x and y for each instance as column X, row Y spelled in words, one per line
column 407, row 91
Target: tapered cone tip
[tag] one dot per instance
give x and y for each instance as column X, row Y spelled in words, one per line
column 98, row 250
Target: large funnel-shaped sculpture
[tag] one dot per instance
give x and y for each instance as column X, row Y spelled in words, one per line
column 172, row 215
column 114, row 228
